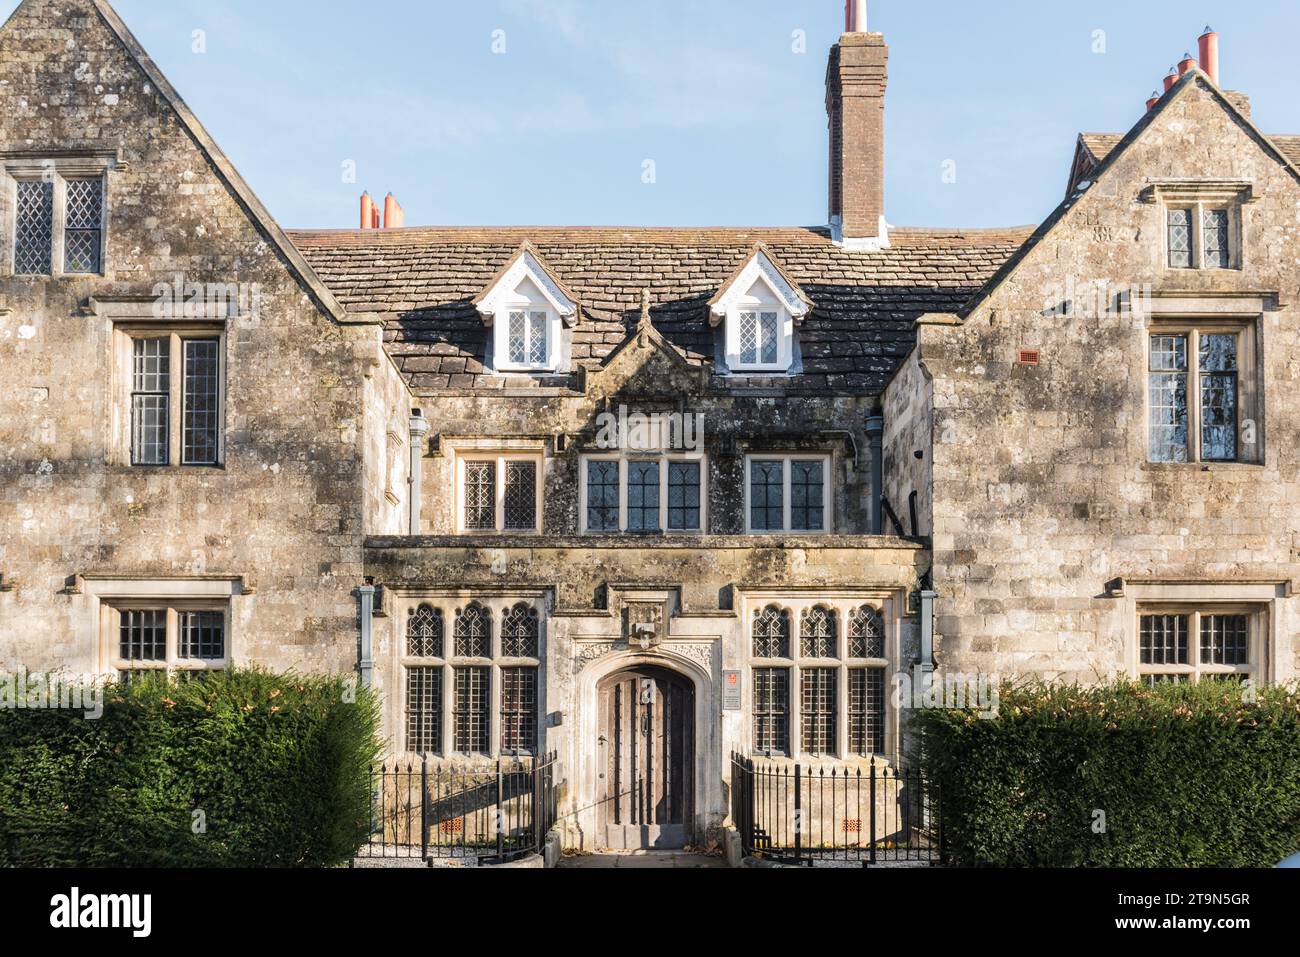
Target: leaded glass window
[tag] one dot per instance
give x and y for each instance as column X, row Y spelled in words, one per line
column 767, row 495
column 771, row 710
column 83, row 228
column 471, row 710
column 34, row 228
column 760, row 337
column 1225, row 639
column 817, row 633
column 817, row 709
column 143, row 635
column 424, row 710
column 424, row 633
column 1167, row 382
column 520, row 627
column 867, row 711
column 203, row 635
column 1216, row 239
column 527, row 338
column 150, row 401
column 602, row 496
column 480, row 496
column 518, row 710
column 866, row 633
column 807, row 495
column 643, row 496
column 772, row 633
column 1180, row 238
column 473, row 636
column 202, row 401
column 684, row 496
column 521, row 496
column 1164, row 640
column 1218, row 373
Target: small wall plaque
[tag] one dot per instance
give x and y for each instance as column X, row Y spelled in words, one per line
column 731, row 691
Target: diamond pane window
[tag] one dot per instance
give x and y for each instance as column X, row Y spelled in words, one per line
column 602, row 496
column 807, row 496
column 424, row 710
column 1218, row 358
column 150, row 401
column 518, row 710
column 480, row 496
column 1215, row 232
column 203, row 635
column 1180, row 238
column 474, row 632
column 83, row 229
column 771, row 710
column 521, row 496
column 1167, row 382
column 867, row 711
column 472, row 710
column 1225, row 640
column 817, row 709
column 424, row 633
column 202, row 401
column 34, row 229
column 643, row 496
column 684, row 496
column 518, row 337
column 1164, row 640
column 866, row 633
column 143, row 635
column 817, row 633
column 520, row 628
column 760, row 338
column 527, row 345
column 772, row 633
column 767, row 496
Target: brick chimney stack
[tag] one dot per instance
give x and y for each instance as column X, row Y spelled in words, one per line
column 856, row 78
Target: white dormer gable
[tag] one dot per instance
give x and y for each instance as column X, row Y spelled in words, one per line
column 527, row 310
column 760, row 309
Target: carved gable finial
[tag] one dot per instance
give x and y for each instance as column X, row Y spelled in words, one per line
column 645, row 309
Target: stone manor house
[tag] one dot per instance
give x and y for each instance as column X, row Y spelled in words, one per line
column 640, row 496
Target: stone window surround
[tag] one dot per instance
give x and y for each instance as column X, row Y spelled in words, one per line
column 110, row 596
column 1201, row 196
column 843, row 604
column 463, row 451
column 450, row 603
column 1173, row 313
column 828, row 498
column 1263, row 601
column 664, row 459
column 35, row 166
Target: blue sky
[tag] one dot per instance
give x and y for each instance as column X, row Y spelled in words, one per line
column 556, row 129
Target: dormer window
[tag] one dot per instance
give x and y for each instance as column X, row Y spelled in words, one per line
column 759, row 310
column 528, row 311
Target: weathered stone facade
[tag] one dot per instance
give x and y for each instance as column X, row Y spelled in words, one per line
column 1014, row 461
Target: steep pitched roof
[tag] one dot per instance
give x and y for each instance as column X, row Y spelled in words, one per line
column 423, row 281
column 1094, row 148
column 1100, row 141
column 243, row 193
column 762, row 261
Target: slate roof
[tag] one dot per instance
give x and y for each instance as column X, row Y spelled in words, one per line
column 423, row 281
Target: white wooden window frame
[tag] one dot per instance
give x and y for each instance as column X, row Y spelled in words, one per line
column 56, row 170
column 828, row 462
column 785, row 338
column 501, row 337
column 450, row 606
column 842, row 606
column 501, row 458
column 663, row 460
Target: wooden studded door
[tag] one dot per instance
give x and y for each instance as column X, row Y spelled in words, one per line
column 647, row 759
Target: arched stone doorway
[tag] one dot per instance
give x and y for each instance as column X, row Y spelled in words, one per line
column 645, row 760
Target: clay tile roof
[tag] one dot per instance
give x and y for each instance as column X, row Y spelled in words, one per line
column 423, row 282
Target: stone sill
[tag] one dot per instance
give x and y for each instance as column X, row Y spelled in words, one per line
column 1203, row 467
column 633, row 542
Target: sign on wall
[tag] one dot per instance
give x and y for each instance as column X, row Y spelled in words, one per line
column 731, row 691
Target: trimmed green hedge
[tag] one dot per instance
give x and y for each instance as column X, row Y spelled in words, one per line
column 1186, row 775
column 238, row 769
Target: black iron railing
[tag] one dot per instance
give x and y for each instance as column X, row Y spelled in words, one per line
column 421, row 810
column 877, row 814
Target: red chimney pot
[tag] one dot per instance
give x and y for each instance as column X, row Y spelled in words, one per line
column 1210, row 55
